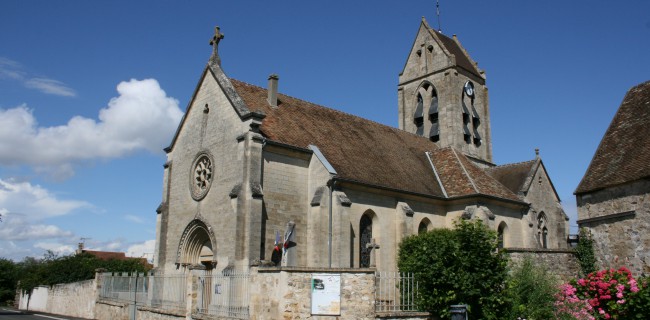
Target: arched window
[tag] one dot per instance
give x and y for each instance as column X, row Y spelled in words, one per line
column 502, row 233
column 365, row 239
column 424, row 226
column 542, row 230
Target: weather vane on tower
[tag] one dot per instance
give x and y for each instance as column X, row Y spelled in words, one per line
column 214, row 42
column 438, row 14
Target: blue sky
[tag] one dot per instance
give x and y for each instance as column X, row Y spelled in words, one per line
column 91, row 91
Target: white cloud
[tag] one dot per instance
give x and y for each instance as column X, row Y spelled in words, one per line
column 13, row 70
column 142, row 117
column 50, row 86
column 133, row 218
column 142, row 250
column 57, row 248
column 33, row 202
column 18, row 229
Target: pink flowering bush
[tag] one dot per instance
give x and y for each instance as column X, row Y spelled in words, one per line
column 604, row 294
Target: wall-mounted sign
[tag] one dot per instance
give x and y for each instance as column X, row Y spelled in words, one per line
column 326, row 294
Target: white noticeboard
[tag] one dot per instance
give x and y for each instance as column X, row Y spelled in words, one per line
column 326, row 294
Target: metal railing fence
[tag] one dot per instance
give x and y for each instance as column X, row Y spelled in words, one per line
column 224, row 295
column 395, row 291
column 159, row 291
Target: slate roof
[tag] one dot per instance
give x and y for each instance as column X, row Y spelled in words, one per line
column 368, row 152
column 514, row 175
column 462, row 60
column 624, row 152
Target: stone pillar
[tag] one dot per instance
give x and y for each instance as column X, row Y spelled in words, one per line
column 317, row 228
column 250, row 201
column 341, row 233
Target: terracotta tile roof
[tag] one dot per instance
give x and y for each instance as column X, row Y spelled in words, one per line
column 624, row 152
column 513, row 175
column 486, row 184
column 368, row 152
column 107, row 255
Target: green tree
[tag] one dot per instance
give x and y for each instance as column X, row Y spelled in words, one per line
column 532, row 289
column 53, row 269
column 8, row 280
column 459, row 266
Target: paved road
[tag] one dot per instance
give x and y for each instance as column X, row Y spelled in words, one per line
column 12, row 314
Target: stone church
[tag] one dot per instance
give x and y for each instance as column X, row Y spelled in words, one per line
column 257, row 177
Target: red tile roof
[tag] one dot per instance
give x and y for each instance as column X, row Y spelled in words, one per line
column 624, row 152
column 107, row 255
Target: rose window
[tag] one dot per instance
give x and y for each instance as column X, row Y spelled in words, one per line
column 201, row 177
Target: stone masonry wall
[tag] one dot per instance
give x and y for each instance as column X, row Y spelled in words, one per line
column 619, row 220
column 286, row 293
column 111, row 311
column 75, row 299
column 561, row 263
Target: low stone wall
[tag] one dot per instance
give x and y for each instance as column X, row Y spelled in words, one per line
column 145, row 313
column 73, row 299
column 105, row 310
column 561, row 263
column 36, row 301
column 285, row 293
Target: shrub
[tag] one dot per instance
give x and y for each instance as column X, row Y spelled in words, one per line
column 606, row 294
column 459, row 266
column 531, row 290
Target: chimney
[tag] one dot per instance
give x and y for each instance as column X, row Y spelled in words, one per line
column 273, row 90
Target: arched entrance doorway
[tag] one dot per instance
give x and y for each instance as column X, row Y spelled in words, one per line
column 197, row 246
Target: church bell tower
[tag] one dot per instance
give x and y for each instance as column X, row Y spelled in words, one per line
column 443, row 97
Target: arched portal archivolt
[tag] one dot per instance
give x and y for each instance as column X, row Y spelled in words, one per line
column 197, row 245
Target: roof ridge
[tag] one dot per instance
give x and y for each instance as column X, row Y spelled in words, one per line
column 343, row 113
column 512, row 164
column 471, row 181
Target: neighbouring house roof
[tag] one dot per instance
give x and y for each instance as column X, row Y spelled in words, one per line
column 110, row 255
column 368, row 152
column 624, row 152
column 107, row 255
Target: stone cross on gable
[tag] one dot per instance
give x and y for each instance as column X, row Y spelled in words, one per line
column 372, row 246
column 214, row 42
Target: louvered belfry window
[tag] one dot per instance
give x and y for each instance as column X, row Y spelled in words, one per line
column 418, row 117
column 434, row 133
column 471, row 118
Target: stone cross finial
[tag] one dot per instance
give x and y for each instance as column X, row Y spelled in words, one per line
column 372, row 246
column 214, row 42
